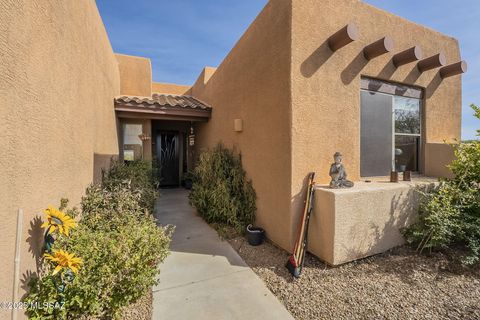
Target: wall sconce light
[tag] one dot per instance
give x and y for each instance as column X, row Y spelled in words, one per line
column 238, row 125
column 144, row 136
column 191, row 137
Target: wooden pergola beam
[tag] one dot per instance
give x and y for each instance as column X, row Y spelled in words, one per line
column 438, row 60
column 410, row 55
column 453, row 69
column 378, row 48
column 344, row 36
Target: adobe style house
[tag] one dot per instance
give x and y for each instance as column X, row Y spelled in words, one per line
column 308, row 78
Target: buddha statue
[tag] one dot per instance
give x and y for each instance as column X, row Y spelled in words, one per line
column 338, row 173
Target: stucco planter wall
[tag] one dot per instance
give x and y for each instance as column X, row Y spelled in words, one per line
column 349, row 224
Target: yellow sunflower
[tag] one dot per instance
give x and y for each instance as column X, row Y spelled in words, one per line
column 56, row 219
column 64, row 260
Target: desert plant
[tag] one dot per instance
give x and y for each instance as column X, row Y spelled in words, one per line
column 220, row 191
column 450, row 214
column 119, row 266
column 120, row 246
column 140, row 176
column 102, row 207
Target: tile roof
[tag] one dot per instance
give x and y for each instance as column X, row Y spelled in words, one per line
column 162, row 101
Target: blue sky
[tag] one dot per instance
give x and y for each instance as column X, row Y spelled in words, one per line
column 183, row 36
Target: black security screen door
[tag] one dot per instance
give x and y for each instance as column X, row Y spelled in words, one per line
column 168, row 158
column 390, row 128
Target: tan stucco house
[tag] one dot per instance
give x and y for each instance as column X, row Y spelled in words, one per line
column 308, row 78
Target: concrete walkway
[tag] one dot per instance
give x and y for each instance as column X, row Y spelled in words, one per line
column 203, row 277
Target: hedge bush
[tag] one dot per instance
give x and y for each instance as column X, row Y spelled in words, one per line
column 220, row 190
column 120, row 245
column 450, row 214
column 140, row 176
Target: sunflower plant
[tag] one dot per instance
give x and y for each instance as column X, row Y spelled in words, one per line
column 64, row 261
column 58, row 220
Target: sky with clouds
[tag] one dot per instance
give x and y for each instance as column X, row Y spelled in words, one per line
column 183, row 36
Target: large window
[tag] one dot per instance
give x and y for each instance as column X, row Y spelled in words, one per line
column 390, row 128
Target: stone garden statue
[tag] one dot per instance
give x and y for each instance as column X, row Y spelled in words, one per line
column 338, row 173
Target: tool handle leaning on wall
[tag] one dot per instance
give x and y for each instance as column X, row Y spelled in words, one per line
column 295, row 262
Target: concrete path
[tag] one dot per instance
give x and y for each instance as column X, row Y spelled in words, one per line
column 204, row 277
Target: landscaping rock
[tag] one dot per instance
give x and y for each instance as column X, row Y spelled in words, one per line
column 399, row 284
column 140, row 310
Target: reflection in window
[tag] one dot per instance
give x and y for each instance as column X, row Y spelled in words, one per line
column 390, row 133
column 132, row 144
column 407, row 115
column 406, row 152
column 407, row 133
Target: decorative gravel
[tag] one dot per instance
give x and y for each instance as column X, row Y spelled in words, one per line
column 140, row 310
column 399, row 284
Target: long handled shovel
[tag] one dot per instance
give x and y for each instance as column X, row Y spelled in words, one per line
column 296, row 260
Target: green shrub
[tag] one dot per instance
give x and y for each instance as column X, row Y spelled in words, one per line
column 120, row 265
column 140, row 176
column 220, row 191
column 120, row 245
column 450, row 214
column 100, row 205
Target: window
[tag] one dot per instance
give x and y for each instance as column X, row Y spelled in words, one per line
column 132, row 144
column 390, row 128
column 407, row 133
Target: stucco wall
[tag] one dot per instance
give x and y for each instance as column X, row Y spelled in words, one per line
column 135, row 75
column 58, row 78
column 170, row 88
column 252, row 84
column 326, row 85
column 437, row 157
column 349, row 224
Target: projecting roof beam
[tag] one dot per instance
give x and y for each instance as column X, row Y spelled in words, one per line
column 341, row 38
column 378, row 48
column 410, row 55
column 438, row 60
column 453, row 69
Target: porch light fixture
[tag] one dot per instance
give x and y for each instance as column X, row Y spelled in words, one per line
column 144, row 136
column 410, row 55
column 344, row 36
column 378, row 48
column 191, row 137
column 453, row 69
column 238, row 125
column 438, row 60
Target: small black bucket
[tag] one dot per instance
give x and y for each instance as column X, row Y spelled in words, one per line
column 255, row 235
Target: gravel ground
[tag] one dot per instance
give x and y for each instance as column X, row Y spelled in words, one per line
column 140, row 310
column 398, row 284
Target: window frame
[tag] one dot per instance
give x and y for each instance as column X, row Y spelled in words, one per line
column 419, row 135
column 394, row 133
column 124, row 124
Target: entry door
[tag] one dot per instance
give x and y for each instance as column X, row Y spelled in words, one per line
column 376, row 134
column 168, row 158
